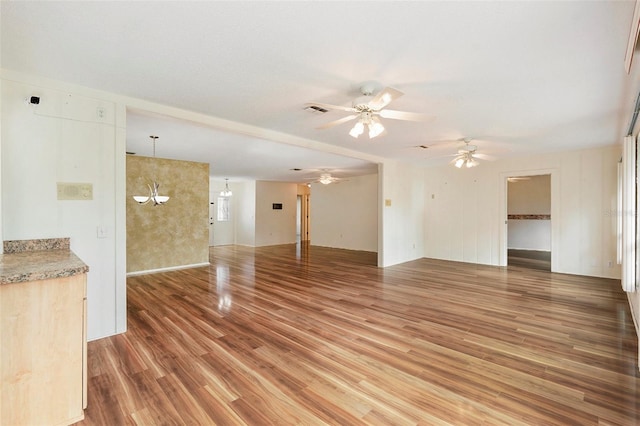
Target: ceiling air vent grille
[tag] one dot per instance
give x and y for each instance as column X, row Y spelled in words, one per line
column 316, row 109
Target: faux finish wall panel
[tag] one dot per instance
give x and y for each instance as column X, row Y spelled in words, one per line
column 175, row 234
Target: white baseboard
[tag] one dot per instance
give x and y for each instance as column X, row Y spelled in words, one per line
column 170, row 268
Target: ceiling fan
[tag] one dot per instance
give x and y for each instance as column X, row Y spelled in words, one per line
column 326, row 178
column 367, row 109
column 467, row 155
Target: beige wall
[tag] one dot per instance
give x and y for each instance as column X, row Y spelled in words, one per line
column 345, row 215
column 531, row 195
column 275, row 226
column 175, row 234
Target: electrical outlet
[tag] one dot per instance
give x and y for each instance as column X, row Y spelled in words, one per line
column 101, row 231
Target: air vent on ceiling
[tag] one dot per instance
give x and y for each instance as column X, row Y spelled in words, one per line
column 316, row 109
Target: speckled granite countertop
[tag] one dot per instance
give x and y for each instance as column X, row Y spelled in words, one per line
column 38, row 262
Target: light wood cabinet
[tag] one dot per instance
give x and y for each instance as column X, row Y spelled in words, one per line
column 43, row 351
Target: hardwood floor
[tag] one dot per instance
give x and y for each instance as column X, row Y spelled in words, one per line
column 309, row 335
column 532, row 259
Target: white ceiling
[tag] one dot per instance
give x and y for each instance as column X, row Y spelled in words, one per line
column 520, row 77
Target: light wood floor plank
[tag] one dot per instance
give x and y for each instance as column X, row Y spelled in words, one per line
column 317, row 336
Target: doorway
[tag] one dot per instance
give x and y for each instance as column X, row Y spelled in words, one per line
column 302, row 217
column 529, row 221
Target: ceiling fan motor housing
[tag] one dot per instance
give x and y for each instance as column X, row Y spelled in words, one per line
column 361, row 103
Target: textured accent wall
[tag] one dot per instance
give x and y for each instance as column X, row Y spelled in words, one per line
column 171, row 235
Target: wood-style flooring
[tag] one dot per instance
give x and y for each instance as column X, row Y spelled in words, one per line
column 533, row 259
column 308, row 335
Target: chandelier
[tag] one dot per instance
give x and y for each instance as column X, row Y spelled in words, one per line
column 153, row 197
column 226, row 192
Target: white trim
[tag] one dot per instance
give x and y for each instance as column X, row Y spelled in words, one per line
column 633, row 37
column 170, row 268
column 619, row 209
column 381, row 213
column 529, row 249
column 629, row 214
column 120, row 233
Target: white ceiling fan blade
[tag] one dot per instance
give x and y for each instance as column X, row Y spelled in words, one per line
column 485, row 157
column 383, row 98
column 401, row 115
column 338, row 121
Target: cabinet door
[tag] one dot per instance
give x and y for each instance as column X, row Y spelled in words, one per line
column 41, row 335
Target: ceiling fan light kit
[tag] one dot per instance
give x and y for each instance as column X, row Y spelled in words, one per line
column 357, row 130
column 325, row 179
column 466, row 160
column 374, row 126
column 465, row 156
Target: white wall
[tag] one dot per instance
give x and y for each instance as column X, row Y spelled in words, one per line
column 529, row 234
column 275, row 226
column 345, row 215
column 63, row 139
column 401, row 228
column 245, row 208
column 466, row 215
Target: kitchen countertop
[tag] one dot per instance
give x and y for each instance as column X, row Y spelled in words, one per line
column 34, row 264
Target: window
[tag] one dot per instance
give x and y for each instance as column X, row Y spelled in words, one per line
column 223, row 209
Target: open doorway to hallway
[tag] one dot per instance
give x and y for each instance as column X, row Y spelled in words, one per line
column 302, row 214
column 529, row 221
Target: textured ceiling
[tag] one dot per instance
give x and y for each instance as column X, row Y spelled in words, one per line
column 520, row 78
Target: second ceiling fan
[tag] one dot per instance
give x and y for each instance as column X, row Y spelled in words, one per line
column 367, row 108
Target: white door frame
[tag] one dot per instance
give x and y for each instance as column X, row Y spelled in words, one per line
column 555, row 212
